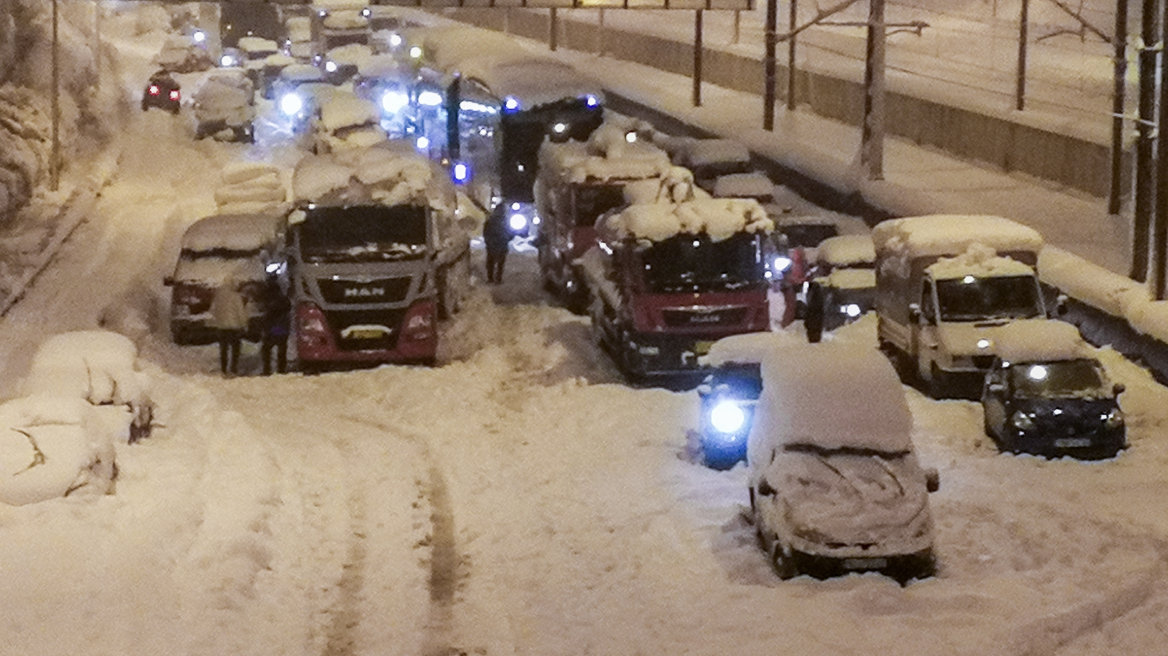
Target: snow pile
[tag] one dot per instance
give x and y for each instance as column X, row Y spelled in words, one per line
column 949, row 234
column 231, row 232
column 53, row 446
column 257, row 47
column 846, row 251
column 383, row 66
column 748, row 347
column 606, row 156
column 391, row 173
column 345, row 19
column 676, row 186
column 347, row 110
column 1040, row 341
column 832, row 394
column 98, row 366
column 226, row 95
column 251, row 188
column 299, row 29
column 744, row 185
column 353, row 54
column 720, row 218
column 24, row 146
column 850, row 279
column 703, row 152
column 301, row 73
column 979, row 261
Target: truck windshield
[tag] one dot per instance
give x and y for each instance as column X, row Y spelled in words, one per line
column 1081, row 378
column 594, row 200
column 695, row 263
column 997, row 297
column 364, row 233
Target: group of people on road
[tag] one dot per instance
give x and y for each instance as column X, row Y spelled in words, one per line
column 231, row 319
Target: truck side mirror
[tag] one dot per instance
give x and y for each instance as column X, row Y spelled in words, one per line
column 1118, row 389
column 996, row 388
column 1060, row 307
column 914, row 312
column 932, row 479
column 765, row 489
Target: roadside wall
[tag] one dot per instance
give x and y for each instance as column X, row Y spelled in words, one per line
column 994, row 140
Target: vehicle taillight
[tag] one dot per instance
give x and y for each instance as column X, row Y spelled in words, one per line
column 419, row 321
column 174, row 95
column 311, row 327
column 154, row 89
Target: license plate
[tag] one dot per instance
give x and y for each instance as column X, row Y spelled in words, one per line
column 865, row 563
column 702, row 348
column 1072, row 442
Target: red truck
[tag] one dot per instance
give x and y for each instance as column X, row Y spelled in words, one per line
column 666, row 280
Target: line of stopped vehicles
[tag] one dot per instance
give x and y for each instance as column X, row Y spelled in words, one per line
column 678, row 250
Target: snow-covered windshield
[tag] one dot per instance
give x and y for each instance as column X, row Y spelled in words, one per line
column 593, row 200
column 973, row 298
column 363, row 233
column 1082, row 378
column 808, row 235
column 696, row 263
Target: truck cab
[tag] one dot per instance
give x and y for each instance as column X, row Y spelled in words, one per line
column 667, row 280
column 945, row 288
column 577, row 183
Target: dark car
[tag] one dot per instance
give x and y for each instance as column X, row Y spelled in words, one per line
column 1052, row 398
column 728, row 395
column 163, row 92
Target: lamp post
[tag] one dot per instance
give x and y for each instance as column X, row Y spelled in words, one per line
column 55, row 155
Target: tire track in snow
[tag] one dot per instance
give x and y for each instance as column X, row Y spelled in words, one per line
column 340, row 631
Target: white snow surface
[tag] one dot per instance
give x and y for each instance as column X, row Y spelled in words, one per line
column 606, row 156
column 744, row 185
column 703, row 152
column 98, row 366
column 979, row 261
column 851, row 279
column 951, row 234
column 225, row 95
column 345, row 109
column 353, row 53
column 237, row 232
column 720, row 218
column 846, row 251
column 1040, row 341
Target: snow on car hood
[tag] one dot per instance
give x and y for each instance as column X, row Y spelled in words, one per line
column 843, row 499
column 963, row 338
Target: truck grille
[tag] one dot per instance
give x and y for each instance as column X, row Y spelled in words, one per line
column 378, row 290
column 701, row 317
column 365, row 330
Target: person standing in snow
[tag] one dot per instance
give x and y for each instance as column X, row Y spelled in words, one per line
column 229, row 318
column 497, row 237
column 277, row 324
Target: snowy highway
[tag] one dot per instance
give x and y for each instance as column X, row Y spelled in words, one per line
column 517, row 499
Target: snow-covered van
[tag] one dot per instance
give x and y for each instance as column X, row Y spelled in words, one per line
column 945, row 287
column 843, row 283
column 667, row 279
column 225, row 106
column 577, row 183
column 835, row 485
column 377, row 255
column 242, row 247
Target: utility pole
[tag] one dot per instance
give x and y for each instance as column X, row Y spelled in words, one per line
column 1117, row 106
column 768, row 95
column 697, row 59
column 1145, row 181
column 872, row 133
column 1160, row 226
column 55, row 154
column 553, row 29
column 1023, row 35
column 791, row 18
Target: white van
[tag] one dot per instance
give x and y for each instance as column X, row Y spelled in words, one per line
column 835, row 486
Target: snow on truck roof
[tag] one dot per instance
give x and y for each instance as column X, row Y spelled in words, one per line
column 846, row 250
column 720, row 218
column 947, row 234
column 980, row 261
column 1040, row 341
column 834, row 395
column 389, row 173
column 605, row 156
column 236, row 232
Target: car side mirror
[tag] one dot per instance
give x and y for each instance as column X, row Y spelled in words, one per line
column 914, row 312
column 168, row 281
column 765, row 489
column 932, row 479
column 996, row 388
column 1118, row 389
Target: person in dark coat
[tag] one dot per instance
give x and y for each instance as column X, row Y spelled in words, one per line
column 497, row 237
column 277, row 325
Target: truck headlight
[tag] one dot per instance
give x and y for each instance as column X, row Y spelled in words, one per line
column 851, row 309
column 517, row 221
column 727, row 417
column 782, row 263
column 1022, row 420
column 393, row 101
column 1112, row 418
column 291, row 104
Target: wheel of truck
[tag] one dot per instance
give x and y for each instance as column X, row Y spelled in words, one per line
column 783, row 563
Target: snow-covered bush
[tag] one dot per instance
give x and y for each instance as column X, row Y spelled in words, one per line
column 25, row 131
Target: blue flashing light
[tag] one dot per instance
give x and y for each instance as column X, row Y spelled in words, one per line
column 460, row 172
column 422, row 143
column 430, row 98
column 591, row 100
column 393, row 101
column 727, row 417
column 510, row 104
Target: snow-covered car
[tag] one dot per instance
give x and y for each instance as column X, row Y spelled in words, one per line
column 52, row 447
column 299, row 44
column 180, row 54
column 710, row 159
column 753, row 184
column 244, row 247
column 341, row 64
column 100, row 367
column 347, row 122
column 224, row 106
column 162, row 91
column 1047, row 394
column 843, row 283
column 835, row 485
column 299, row 93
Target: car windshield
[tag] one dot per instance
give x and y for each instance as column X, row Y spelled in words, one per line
column 1082, row 378
column 593, row 200
column 808, row 235
column 363, row 233
column 997, row 297
column 695, row 263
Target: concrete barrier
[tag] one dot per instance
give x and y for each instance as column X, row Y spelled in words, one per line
column 996, row 140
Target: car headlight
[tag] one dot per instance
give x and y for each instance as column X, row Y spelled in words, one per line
column 851, row 309
column 1022, row 420
column 517, row 221
column 291, row 104
column 727, row 417
column 393, row 101
column 1113, row 418
column 330, row 66
column 227, row 61
column 782, row 263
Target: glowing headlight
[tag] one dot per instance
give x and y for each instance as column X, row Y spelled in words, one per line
column 227, row 60
column 591, row 100
column 416, row 52
column 560, row 128
column 782, row 263
column 430, row 98
column 393, row 101
column 517, row 221
column 423, row 143
column 291, row 104
column 1112, row 419
column 727, row 417
column 199, row 36
column 395, row 40
column 631, row 137
column 1022, row 420
column 983, row 344
column 330, row 66
column 366, row 13
column 851, row 309
column 461, row 172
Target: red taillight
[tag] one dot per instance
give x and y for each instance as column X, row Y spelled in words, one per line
column 174, row 95
column 418, row 323
column 310, row 321
column 154, row 89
